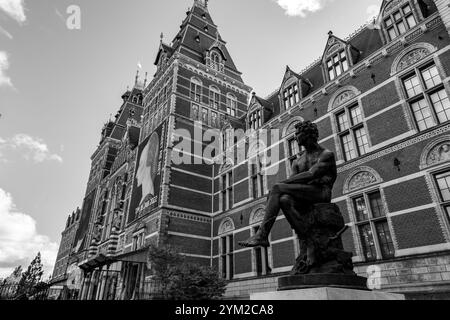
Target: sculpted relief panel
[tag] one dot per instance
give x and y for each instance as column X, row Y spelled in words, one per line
column 439, row 154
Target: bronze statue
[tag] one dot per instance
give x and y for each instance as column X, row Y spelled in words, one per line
column 305, row 199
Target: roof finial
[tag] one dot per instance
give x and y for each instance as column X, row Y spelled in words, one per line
column 137, row 77
column 145, row 81
column 330, row 33
column 161, row 37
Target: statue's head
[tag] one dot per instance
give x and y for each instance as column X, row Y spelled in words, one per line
column 306, row 133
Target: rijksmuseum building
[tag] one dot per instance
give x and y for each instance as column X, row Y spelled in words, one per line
column 380, row 100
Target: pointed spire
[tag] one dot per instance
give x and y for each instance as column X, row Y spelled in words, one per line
column 137, row 77
column 145, row 80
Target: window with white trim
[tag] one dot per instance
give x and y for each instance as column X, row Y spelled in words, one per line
column 227, row 191
column 214, row 97
column 443, row 183
column 227, row 257
column 372, row 226
column 256, row 177
column 196, row 90
column 231, row 105
column 337, row 64
column 352, row 133
column 427, row 97
column 255, row 120
column 291, row 96
column 399, row 22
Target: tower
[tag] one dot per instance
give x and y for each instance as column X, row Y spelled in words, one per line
column 196, row 87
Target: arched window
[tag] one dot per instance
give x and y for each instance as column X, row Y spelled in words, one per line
column 214, row 97
column 226, row 249
column 231, row 105
column 215, row 60
column 196, row 90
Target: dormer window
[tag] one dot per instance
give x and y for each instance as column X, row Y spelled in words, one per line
column 291, row 96
column 337, row 64
column 255, row 120
column 215, row 60
column 399, row 21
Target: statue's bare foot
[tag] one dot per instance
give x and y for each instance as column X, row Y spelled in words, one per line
column 256, row 241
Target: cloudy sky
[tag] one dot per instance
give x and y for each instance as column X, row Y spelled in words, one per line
column 58, row 86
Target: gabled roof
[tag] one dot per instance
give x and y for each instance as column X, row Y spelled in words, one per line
column 268, row 105
column 163, row 48
column 198, row 34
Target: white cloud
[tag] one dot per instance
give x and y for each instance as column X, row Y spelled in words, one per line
column 14, row 8
column 301, row 7
column 373, row 10
column 30, row 148
column 4, row 65
column 20, row 241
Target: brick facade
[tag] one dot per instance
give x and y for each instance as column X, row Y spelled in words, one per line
column 201, row 206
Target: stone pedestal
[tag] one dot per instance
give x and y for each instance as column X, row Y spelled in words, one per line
column 326, row 293
column 308, row 281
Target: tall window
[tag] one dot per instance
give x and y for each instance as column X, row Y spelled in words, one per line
column 400, row 21
column 352, row 132
column 227, row 191
column 205, row 116
column 337, row 64
column 427, row 97
column 196, row 90
column 216, row 61
column 231, row 105
column 291, row 96
column 214, row 97
column 255, row 120
column 214, row 119
column 257, row 179
column 226, row 257
column 195, row 112
column 373, row 227
column 443, row 182
column 261, row 259
column 293, row 150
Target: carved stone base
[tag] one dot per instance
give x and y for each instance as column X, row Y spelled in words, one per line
column 322, row 280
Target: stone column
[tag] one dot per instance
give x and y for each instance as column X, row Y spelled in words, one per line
column 444, row 11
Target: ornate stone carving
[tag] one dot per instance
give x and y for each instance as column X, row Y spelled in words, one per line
column 289, row 128
column 335, row 47
column 342, row 96
column 412, row 57
column 391, row 6
column 436, row 153
column 361, row 178
column 226, row 226
column 257, row 216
